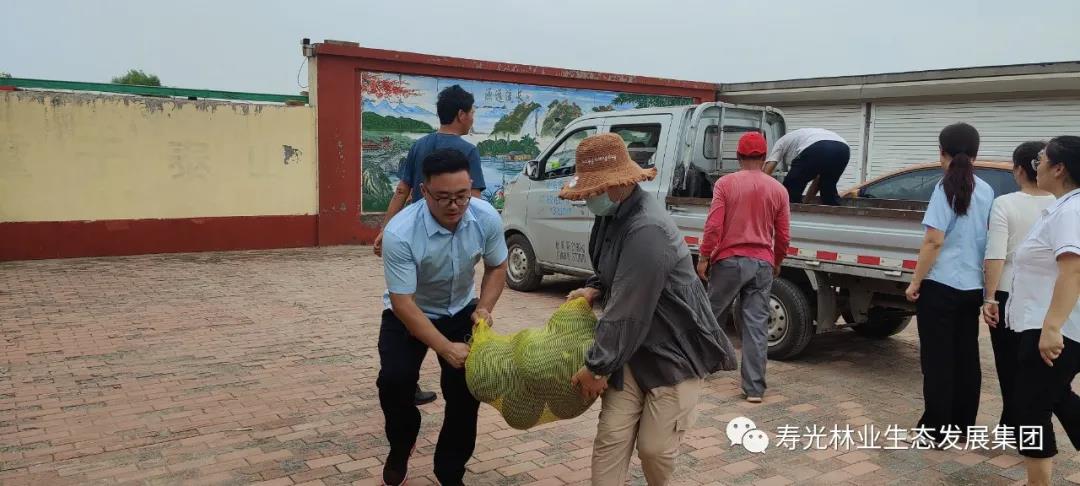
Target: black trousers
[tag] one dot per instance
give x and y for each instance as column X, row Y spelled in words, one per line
column 949, row 352
column 400, row 357
column 1042, row 391
column 828, row 159
column 1006, row 343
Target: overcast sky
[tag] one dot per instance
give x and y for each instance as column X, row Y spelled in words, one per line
column 254, row 45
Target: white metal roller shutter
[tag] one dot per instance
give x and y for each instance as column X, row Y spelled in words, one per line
column 846, row 120
column 902, row 134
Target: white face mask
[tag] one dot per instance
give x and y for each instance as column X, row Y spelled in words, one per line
column 601, row 204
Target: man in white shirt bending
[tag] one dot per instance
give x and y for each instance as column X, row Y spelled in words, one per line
column 810, row 154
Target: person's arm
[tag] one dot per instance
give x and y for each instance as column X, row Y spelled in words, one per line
column 495, row 264
column 640, row 277
column 397, row 202
column 400, row 274
column 997, row 240
column 476, row 173
column 400, row 198
column 420, row 327
column 594, row 287
column 713, row 231
column 939, row 215
column 933, row 240
column 591, row 292
column 815, row 185
column 491, row 288
column 782, row 233
column 776, row 155
column 1064, row 236
column 1066, row 293
column 406, row 183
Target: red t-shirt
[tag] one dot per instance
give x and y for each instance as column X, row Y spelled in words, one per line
column 749, row 217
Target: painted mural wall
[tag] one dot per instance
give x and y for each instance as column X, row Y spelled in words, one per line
column 514, row 122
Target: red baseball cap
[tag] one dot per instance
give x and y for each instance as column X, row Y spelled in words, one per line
column 752, row 143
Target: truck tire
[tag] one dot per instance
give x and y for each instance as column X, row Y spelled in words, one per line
column 523, row 272
column 791, row 320
column 882, row 323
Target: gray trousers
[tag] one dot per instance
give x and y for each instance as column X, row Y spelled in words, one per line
column 750, row 280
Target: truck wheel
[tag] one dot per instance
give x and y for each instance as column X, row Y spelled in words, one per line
column 523, row 273
column 882, row 323
column 791, row 322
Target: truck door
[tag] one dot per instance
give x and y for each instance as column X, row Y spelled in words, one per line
column 646, row 140
column 560, row 228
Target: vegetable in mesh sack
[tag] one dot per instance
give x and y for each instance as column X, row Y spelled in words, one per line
column 526, row 375
column 497, row 379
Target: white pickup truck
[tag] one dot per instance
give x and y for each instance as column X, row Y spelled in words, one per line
column 852, row 261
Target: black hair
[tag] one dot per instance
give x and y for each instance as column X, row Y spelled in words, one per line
column 1066, row 150
column 961, row 142
column 444, row 161
column 451, row 101
column 1024, row 154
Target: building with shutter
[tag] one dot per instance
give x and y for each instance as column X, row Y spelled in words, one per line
column 892, row 120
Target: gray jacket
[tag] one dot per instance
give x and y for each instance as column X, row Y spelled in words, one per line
column 657, row 317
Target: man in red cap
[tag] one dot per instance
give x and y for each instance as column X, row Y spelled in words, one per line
column 746, row 238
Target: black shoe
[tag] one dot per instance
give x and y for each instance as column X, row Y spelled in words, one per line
column 396, row 470
column 394, row 477
column 424, row 397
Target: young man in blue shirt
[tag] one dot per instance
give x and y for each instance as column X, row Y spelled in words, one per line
column 431, row 251
column 456, row 116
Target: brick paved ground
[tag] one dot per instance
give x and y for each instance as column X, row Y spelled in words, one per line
column 233, row 368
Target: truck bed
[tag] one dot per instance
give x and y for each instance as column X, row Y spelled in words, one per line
column 864, row 237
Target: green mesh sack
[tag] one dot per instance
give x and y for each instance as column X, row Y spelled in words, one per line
column 526, row 375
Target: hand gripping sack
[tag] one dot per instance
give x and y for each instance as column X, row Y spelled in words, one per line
column 526, row 375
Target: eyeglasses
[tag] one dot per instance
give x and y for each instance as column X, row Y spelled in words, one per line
column 445, row 202
column 1038, row 159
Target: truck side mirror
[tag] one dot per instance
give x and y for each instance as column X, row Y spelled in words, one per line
column 532, row 169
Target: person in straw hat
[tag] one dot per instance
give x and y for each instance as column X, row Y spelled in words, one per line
column 658, row 338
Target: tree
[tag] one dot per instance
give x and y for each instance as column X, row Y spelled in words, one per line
column 511, row 123
column 137, row 77
column 560, row 114
column 529, row 145
column 373, row 85
column 376, row 122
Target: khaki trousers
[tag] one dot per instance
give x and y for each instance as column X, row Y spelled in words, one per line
column 655, row 420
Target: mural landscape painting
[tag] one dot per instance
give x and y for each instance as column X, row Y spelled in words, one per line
column 513, row 123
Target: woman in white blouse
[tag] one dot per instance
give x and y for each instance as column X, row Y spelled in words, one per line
column 1044, row 308
column 1011, row 219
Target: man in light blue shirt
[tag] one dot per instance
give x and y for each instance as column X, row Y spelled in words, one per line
column 430, row 252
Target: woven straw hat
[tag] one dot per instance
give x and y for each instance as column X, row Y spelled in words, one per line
column 602, row 163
